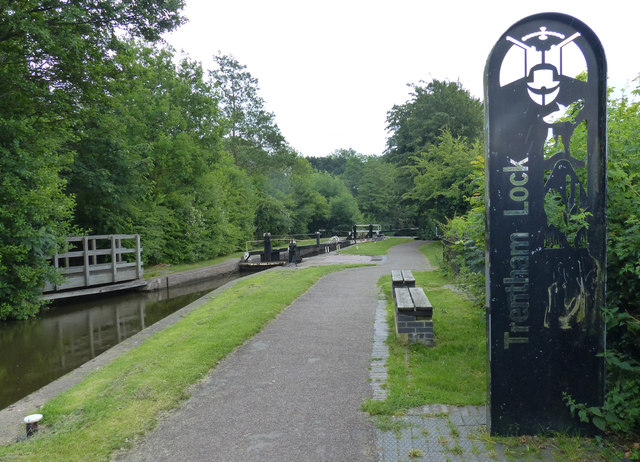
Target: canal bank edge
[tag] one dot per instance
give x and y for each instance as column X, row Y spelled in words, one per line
column 11, row 425
column 184, row 278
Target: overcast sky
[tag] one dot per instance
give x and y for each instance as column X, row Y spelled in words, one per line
column 330, row 70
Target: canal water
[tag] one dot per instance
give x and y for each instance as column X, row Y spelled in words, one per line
column 38, row 351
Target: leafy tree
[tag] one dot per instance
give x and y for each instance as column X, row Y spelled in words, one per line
column 415, row 128
column 252, row 134
column 374, row 183
column 621, row 411
column 310, row 207
column 150, row 161
column 442, row 178
column 336, row 162
column 433, row 107
column 343, row 208
column 55, row 57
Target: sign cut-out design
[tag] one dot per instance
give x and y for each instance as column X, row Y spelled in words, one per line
column 545, row 96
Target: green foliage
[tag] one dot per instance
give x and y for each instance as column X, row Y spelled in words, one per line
column 443, row 179
column 428, row 136
column 336, row 162
column 252, row 135
column 33, row 213
column 55, row 60
column 149, row 160
column 464, row 238
column 621, row 411
column 424, row 177
column 375, row 186
column 434, row 106
column 373, row 182
column 343, row 208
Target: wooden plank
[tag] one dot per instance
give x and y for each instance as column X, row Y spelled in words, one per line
column 95, row 290
column 403, row 299
column 396, row 276
column 419, row 298
column 101, row 236
column 96, row 268
column 408, row 278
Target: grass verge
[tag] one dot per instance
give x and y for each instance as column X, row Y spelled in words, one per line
column 375, row 247
column 166, row 268
column 106, row 411
column 453, row 370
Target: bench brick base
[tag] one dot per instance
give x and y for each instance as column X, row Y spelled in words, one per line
column 414, row 322
column 415, row 329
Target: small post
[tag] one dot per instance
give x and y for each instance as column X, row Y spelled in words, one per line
column 92, row 247
column 355, row 233
column 31, row 422
column 138, row 257
column 292, row 251
column 267, row 247
column 66, row 251
column 85, row 254
column 56, row 265
column 114, row 260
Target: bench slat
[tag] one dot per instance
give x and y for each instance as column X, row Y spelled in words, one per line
column 407, row 276
column 403, row 299
column 396, row 276
column 419, row 298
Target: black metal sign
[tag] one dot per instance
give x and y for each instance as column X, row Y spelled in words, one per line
column 545, row 96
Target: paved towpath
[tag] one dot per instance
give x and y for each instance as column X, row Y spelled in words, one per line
column 293, row 392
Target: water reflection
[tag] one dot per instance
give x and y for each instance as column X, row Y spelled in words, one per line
column 38, row 351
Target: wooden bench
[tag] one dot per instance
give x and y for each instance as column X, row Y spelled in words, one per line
column 402, row 278
column 414, row 315
column 413, row 300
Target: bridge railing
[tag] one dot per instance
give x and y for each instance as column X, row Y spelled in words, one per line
column 96, row 260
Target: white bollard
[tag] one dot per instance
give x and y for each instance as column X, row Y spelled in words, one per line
column 32, row 423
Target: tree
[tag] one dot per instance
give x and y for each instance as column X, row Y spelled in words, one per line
column 374, row 183
column 336, row 162
column 443, row 178
column 433, row 107
column 55, row 58
column 252, row 136
column 150, row 161
column 343, row 208
column 415, row 127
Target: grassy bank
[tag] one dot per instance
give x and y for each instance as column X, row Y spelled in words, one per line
column 454, row 370
column 375, row 247
column 112, row 406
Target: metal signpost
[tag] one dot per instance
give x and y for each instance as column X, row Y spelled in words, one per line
column 545, row 96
